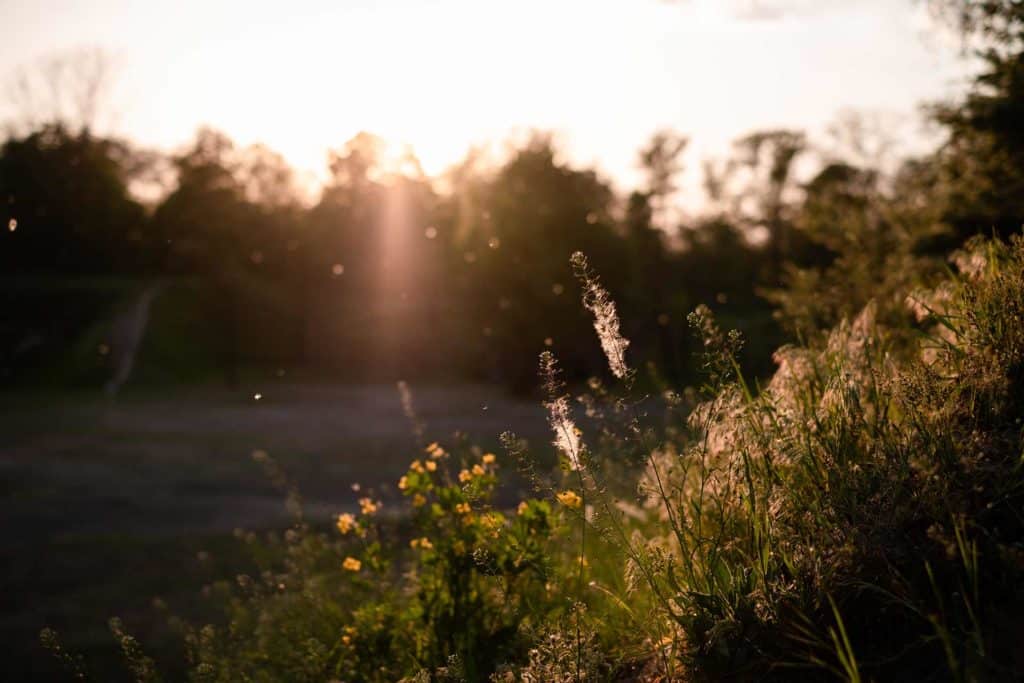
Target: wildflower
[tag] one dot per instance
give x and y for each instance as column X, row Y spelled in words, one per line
column 489, row 458
column 463, row 509
column 478, row 470
column 523, row 507
column 465, row 475
column 493, row 523
column 351, row 564
column 423, row 543
column 416, row 466
column 569, row 499
column 418, row 500
column 403, row 483
column 435, row 451
column 430, row 465
column 606, row 320
column 346, row 522
column 346, row 639
column 367, row 506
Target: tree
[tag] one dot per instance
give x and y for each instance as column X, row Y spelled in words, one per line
column 68, row 208
column 67, row 89
column 982, row 160
column 661, row 162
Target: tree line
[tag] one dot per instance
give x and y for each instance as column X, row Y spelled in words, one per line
column 389, row 273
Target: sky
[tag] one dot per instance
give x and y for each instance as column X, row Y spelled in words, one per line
column 442, row 75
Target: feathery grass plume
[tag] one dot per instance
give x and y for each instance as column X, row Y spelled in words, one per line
column 567, row 435
column 142, row 667
column 409, row 410
column 606, row 320
column 73, row 664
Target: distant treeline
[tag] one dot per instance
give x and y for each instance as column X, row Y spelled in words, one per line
column 389, row 273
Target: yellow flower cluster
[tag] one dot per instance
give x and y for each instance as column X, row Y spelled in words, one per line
column 418, row 500
column 467, row 475
column 493, row 522
column 346, row 522
column 351, row 564
column 435, row 451
column 368, row 506
column 463, row 509
column 420, row 467
column 569, row 499
column 421, row 543
column 403, row 483
column 489, row 458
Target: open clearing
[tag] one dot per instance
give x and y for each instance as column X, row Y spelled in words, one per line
column 108, row 504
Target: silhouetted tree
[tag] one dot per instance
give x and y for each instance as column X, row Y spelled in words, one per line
column 982, row 160
column 68, row 209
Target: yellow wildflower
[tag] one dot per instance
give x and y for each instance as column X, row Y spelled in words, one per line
column 489, row 458
column 465, row 476
column 418, row 500
column 416, row 466
column 368, row 506
column 493, row 523
column 523, row 507
column 569, row 499
column 346, row 522
column 463, row 509
column 478, row 470
column 435, row 450
column 346, row 639
column 403, row 483
column 351, row 564
column 430, row 465
column 421, row 543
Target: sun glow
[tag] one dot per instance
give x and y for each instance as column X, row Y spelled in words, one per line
column 435, row 91
column 447, row 75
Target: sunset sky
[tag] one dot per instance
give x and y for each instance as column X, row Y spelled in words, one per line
column 444, row 74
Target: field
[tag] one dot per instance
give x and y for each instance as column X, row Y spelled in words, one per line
column 109, row 504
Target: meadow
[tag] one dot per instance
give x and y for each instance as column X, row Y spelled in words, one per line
column 161, row 480
column 855, row 517
column 520, row 420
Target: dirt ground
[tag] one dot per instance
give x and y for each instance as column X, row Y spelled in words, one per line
column 108, row 503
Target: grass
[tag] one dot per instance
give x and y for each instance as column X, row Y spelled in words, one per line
column 858, row 517
column 108, row 504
